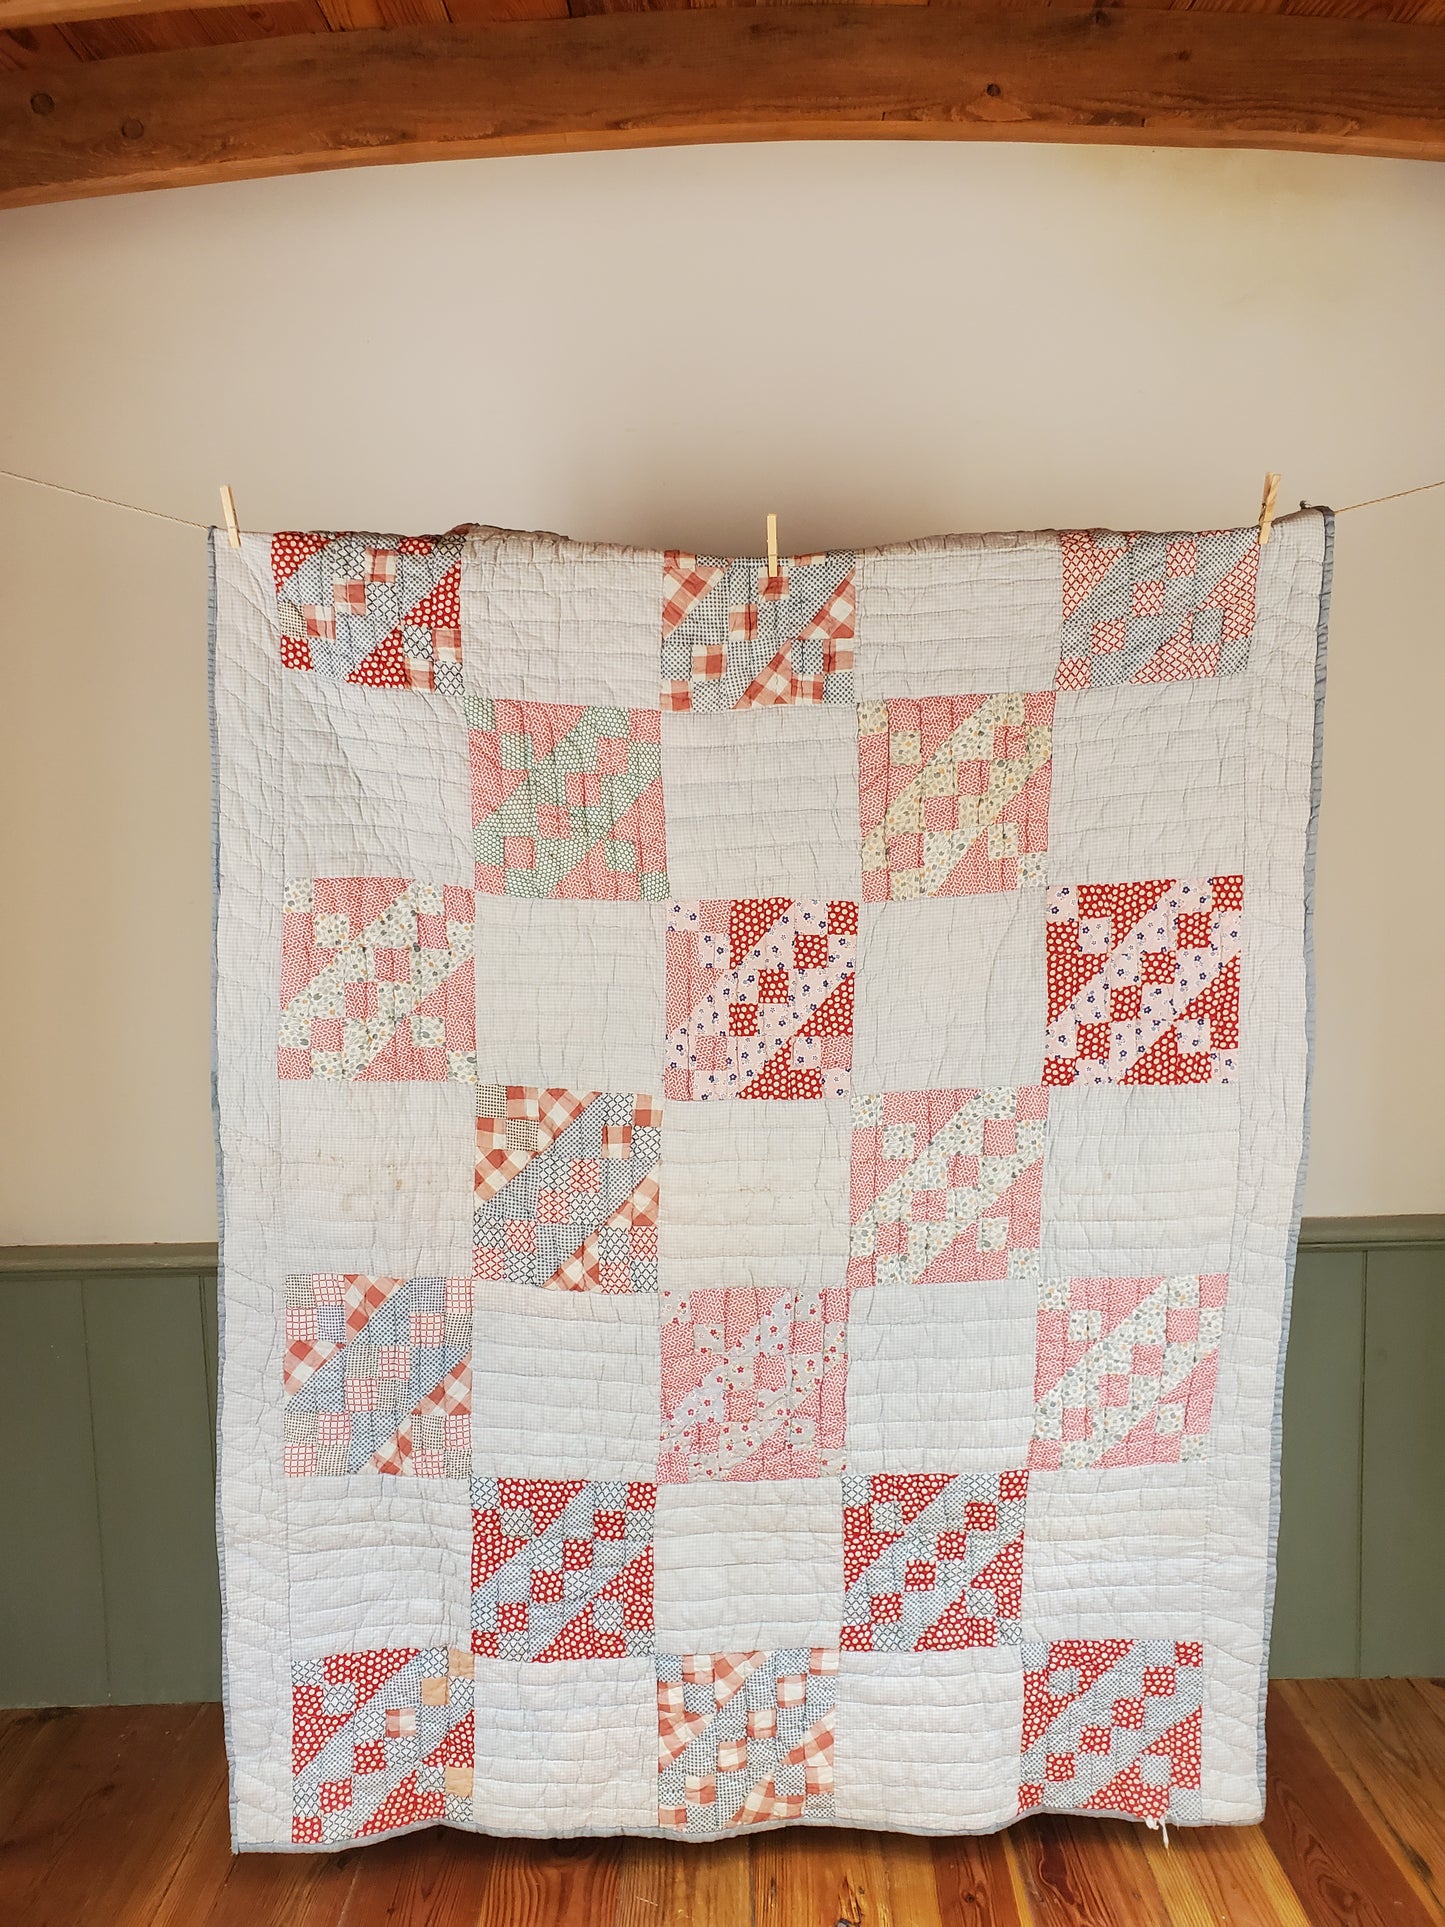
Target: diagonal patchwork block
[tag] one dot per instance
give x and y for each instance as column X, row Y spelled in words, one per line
column 1143, row 981
column 566, row 1188
column 744, row 1738
column 567, row 800
column 753, row 1384
column 1113, row 1726
column 946, row 1185
column 1155, row 608
column 382, row 610
column 377, row 980
column 932, row 1561
column 759, row 998
column 562, row 1568
column 1126, row 1370
column 735, row 637
column 380, row 1740
column 954, row 794
column 378, row 1375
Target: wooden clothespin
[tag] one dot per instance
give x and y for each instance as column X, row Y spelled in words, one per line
column 772, row 548
column 228, row 509
column 1266, row 507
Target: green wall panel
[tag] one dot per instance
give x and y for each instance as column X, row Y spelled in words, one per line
column 1402, row 1574
column 52, row 1602
column 1316, row 1632
column 107, row 1427
column 155, row 1485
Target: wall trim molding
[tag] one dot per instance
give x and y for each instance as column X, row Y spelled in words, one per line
column 1352, row 1234
column 87, row 1260
column 1418, row 1232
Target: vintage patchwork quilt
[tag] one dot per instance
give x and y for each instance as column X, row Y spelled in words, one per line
column 760, row 1121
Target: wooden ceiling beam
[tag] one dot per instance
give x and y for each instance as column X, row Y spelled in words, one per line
column 298, row 104
column 56, row 13
column 343, row 15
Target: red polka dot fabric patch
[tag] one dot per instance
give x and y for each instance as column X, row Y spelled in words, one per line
column 759, row 999
column 381, row 611
column 933, row 1562
column 561, row 1568
column 1113, row 1726
column 379, row 1741
column 1143, row 981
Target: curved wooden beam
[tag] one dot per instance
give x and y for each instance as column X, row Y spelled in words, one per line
column 44, row 13
column 286, row 106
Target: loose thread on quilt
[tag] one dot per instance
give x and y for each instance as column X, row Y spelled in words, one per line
column 188, row 522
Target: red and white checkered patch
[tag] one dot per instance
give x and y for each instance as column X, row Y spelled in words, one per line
column 685, row 580
column 837, row 618
column 777, row 684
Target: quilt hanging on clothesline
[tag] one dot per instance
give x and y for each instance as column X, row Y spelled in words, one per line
column 760, row 1121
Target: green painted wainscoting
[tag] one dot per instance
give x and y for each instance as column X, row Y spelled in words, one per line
column 108, row 1586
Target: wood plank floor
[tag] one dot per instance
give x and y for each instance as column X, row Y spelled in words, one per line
column 116, row 1817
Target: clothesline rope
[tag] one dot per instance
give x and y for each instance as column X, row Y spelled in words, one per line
column 185, row 521
column 86, row 495
column 1399, row 495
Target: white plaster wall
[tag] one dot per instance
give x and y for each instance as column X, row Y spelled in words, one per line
column 876, row 341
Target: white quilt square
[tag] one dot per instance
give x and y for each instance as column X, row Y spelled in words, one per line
column 941, row 1377
column 950, row 993
column 376, row 782
column 762, row 1185
column 763, row 802
column 933, row 1736
column 1116, row 1553
column 569, row 994
column 1139, row 1181
column 959, row 615
column 548, row 620
column 1148, row 781
column 564, row 1384
column 565, row 1748
column 752, row 1566
column 377, row 1177
column 377, row 1562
